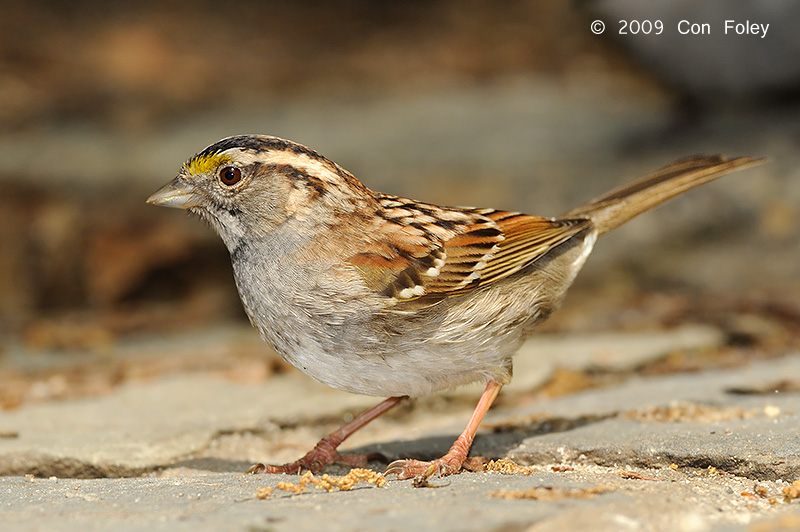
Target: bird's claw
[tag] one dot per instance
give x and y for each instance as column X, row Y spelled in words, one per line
column 444, row 466
column 417, row 469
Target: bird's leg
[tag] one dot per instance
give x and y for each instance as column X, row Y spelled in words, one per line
column 453, row 461
column 324, row 453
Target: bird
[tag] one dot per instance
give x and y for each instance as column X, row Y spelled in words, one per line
column 386, row 296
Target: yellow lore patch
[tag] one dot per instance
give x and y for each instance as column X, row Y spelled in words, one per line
column 206, row 163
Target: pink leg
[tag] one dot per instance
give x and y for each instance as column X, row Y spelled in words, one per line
column 325, row 451
column 455, row 457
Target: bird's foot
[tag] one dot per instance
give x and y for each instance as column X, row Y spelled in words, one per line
column 321, row 456
column 325, row 452
column 449, row 464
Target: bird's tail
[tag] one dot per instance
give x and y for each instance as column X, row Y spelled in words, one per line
column 620, row 205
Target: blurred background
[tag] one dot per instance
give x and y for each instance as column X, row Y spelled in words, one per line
column 515, row 105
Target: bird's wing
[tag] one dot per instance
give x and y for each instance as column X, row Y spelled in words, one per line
column 424, row 251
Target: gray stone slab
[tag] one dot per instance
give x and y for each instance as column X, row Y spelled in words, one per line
column 668, row 501
column 709, row 422
column 147, row 425
column 761, row 449
column 620, row 439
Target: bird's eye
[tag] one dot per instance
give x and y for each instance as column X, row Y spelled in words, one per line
column 230, row 175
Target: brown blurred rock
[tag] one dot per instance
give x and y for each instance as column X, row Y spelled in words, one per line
column 121, row 253
column 15, row 283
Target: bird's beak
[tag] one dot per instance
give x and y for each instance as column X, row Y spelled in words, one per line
column 177, row 194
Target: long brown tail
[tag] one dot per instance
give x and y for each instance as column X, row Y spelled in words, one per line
column 620, row 205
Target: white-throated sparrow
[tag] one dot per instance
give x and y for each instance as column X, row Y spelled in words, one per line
column 381, row 295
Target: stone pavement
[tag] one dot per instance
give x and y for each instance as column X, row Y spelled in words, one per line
column 703, row 451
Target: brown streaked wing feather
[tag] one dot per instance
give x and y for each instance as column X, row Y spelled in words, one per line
column 527, row 239
column 397, row 258
column 466, row 254
column 426, row 251
column 420, row 249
